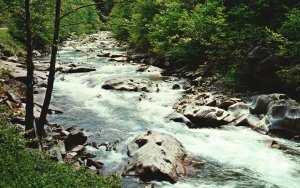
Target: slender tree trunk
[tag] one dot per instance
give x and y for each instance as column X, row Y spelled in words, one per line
column 45, row 108
column 29, row 127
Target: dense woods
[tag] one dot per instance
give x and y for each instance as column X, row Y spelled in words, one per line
column 219, row 33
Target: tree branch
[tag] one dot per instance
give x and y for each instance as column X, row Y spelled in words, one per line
column 78, row 8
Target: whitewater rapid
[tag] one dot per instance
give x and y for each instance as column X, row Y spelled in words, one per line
column 230, row 156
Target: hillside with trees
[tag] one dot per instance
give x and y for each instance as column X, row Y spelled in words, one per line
column 216, row 33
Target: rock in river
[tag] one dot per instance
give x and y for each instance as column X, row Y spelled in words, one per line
column 74, row 139
column 156, row 156
column 77, row 70
column 130, row 85
column 282, row 114
column 206, row 116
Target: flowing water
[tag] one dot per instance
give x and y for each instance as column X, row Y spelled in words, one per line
column 230, row 156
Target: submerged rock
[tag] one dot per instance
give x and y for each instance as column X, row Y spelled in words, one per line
column 156, row 156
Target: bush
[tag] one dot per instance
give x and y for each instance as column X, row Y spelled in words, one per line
column 9, row 45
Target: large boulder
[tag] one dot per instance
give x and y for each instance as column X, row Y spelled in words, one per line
column 283, row 118
column 156, row 156
column 206, row 116
column 74, row 139
column 281, row 114
column 130, row 85
column 260, row 104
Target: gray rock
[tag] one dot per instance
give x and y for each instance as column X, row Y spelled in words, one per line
column 281, row 114
column 156, row 156
column 177, row 117
column 55, row 154
column 130, row 85
column 260, row 103
column 206, row 116
column 283, row 118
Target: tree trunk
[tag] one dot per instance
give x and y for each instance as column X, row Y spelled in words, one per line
column 45, row 108
column 29, row 127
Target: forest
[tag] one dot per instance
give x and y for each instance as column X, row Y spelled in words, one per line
column 217, row 33
column 150, row 93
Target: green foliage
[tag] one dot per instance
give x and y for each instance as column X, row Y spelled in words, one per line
column 291, row 27
column 291, row 76
column 10, row 45
column 22, row 167
column 166, row 34
column 120, row 19
column 219, row 33
column 85, row 20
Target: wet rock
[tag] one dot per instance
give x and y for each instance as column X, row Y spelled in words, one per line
column 92, row 144
column 77, row 70
column 227, row 102
column 117, row 55
column 176, row 86
column 97, row 164
column 109, row 145
column 13, row 59
column 156, row 156
column 138, row 57
column 143, row 68
column 143, row 96
column 104, row 54
column 283, row 118
column 64, row 133
column 177, row 117
column 237, row 110
column 36, row 53
column 55, row 154
column 71, row 156
column 13, row 97
column 130, row 85
column 260, row 104
column 119, row 59
column 206, row 116
column 62, row 147
column 78, row 149
column 75, row 138
column 39, row 101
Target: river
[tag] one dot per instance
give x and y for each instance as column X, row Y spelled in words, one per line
column 231, row 156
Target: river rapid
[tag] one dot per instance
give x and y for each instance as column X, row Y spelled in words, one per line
column 230, row 156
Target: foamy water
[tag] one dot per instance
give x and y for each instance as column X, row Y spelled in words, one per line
column 231, row 156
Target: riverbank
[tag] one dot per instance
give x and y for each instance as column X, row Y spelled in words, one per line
column 24, row 167
column 58, row 165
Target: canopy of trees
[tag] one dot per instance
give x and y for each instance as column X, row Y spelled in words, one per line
column 80, row 22
column 220, row 32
